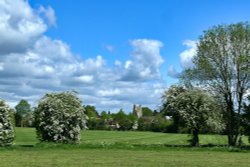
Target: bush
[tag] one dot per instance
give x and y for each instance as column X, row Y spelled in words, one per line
column 59, row 118
column 6, row 125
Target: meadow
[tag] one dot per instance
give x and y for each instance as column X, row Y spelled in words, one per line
column 112, row 148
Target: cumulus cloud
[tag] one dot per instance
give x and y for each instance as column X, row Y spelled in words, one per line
column 186, row 58
column 187, row 55
column 32, row 64
column 172, row 72
column 20, row 26
column 146, row 60
column 118, row 63
column 49, row 14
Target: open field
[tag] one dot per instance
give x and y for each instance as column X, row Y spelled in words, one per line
column 58, row 157
column 27, row 136
column 49, row 155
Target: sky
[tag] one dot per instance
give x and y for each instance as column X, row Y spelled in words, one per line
column 113, row 53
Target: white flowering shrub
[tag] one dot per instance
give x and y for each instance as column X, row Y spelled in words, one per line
column 59, row 118
column 6, row 125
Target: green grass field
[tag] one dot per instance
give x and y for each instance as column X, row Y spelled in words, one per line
column 111, row 155
column 27, row 136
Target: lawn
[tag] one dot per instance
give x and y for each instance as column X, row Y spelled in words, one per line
column 22, row 155
column 148, row 138
column 171, row 157
column 27, row 136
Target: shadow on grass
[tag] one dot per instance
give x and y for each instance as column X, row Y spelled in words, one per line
column 126, row 146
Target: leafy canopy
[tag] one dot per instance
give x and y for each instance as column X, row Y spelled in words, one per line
column 59, row 117
column 222, row 65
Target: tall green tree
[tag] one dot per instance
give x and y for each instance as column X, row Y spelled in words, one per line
column 22, row 109
column 222, row 65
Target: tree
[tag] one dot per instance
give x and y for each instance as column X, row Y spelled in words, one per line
column 22, row 109
column 60, row 117
column 123, row 120
column 90, row 111
column 93, row 122
column 246, row 118
column 169, row 97
column 198, row 110
column 222, row 65
column 6, row 126
column 146, row 111
column 159, row 123
column 144, row 123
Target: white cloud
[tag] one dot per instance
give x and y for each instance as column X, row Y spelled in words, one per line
column 49, row 14
column 110, row 92
column 147, row 52
column 187, row 55
column 146, row 60
column 128, row 64
column 118, row 63
column 186, row 58
column 33, row 64
column 172, row 72
column 20, row 26
column 85, row 78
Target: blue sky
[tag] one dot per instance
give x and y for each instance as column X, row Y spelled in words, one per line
column 89, row 26
column 114, row 53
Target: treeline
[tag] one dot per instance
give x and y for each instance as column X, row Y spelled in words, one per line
column 150, row 120
column 164, row 120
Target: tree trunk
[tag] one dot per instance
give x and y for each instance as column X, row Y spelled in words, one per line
column 195, row 139
column 232, row 135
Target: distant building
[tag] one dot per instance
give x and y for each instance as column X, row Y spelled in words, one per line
column 137, row 111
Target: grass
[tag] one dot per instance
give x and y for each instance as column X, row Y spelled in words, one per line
column 27, row 136
column 149, row 138
column 77, row 157
column 91, row 153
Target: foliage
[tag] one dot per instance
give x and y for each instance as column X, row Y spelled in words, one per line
column 246, row 118
column 23, row 109
column 147, row 111
column 222, row 65
column 144, row 123
column 6, row 125
column 28, row 120
column 90, row 111
column 157, row 123
column 60, row 117
column 93, row 118
column 124, row 122
column 197, row 109
column 169, row 98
